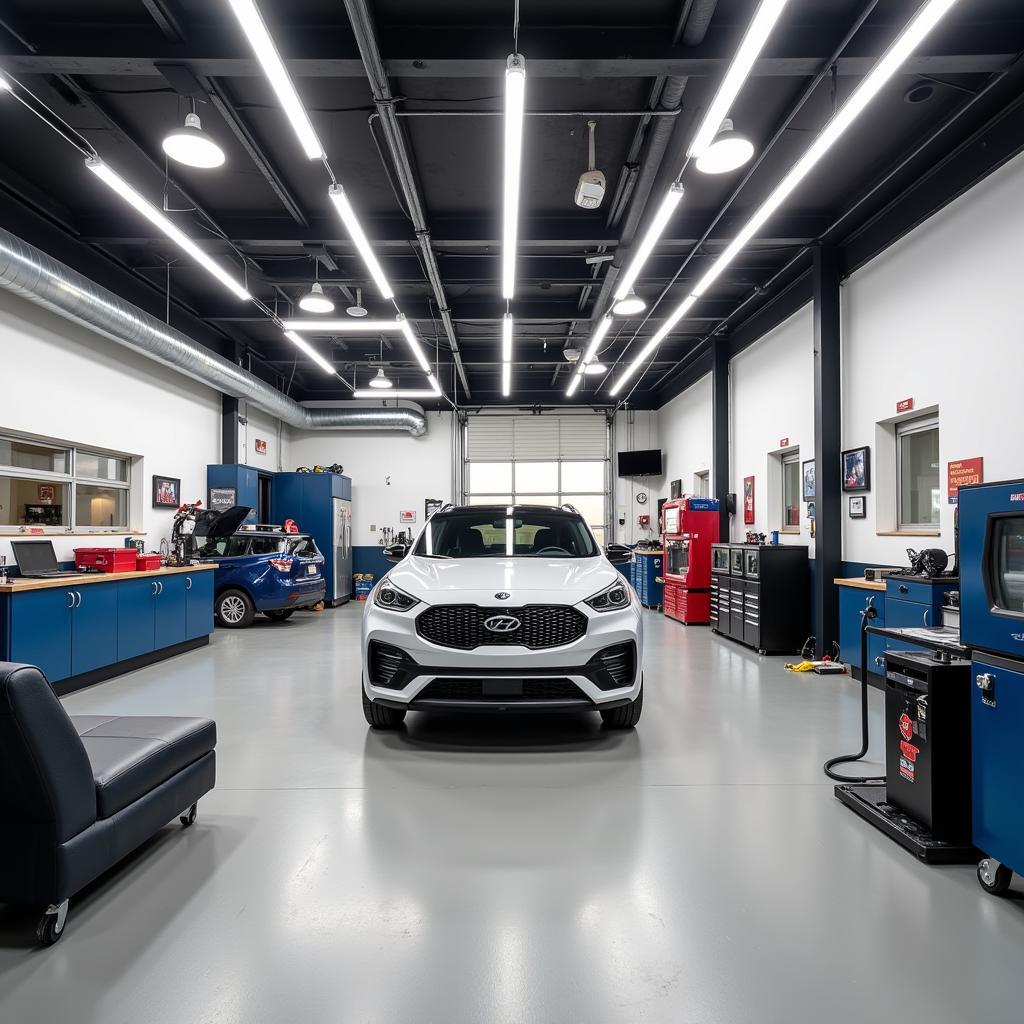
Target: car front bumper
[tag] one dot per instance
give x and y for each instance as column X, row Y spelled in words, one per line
column 499, row 668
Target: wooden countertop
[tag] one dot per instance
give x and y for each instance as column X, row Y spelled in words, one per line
column 861, row 583
column 18, row 586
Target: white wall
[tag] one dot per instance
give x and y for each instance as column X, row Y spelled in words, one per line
column 938, row 318
column 685, row 429
column 65, row 382
column 772, row 398
column 635, row 429
column 261, row 426
column 390, row 470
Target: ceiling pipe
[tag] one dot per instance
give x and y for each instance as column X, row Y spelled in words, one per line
column 695, row 28
column 394, row 136
column 33, row 275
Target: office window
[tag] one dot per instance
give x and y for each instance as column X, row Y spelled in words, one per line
column 51, row 484
column 791, row 492
column 918, row 491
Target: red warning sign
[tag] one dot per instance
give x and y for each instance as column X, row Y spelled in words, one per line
column 906, row 726
column 909, row 751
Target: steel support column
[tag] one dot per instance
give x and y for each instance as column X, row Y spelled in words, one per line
column 720, row 417
column 828, row 544
column 229, row 430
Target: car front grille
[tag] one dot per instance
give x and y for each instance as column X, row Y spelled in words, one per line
column 462, row 626
column 472, row 689
column 384, row 664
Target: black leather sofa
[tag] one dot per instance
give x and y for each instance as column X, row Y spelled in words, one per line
column 78, row 793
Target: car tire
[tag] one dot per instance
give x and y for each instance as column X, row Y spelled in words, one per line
column 626, row 716
column 379, row 717
column 234, row 609
column 282, row 615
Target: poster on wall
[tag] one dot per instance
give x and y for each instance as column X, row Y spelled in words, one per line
column 261, row 447
column 748, row 501
column 222, row 498
column 166, row 492
column 808, row 478
column 857, row 469
column 407, row 516
column 963, row 473
column 46, row 494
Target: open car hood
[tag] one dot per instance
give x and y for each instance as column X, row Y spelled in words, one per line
column 216, row 525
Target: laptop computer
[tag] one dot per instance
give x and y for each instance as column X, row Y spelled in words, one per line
column 37, row 560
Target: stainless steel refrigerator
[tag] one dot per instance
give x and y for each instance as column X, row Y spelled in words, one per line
column 341, row 534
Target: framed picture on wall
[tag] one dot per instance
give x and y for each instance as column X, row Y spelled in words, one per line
column 748, row 501
column 857, row 470
column 812, row 510
column 858, row 507
column 808, row 480
column 166, row 492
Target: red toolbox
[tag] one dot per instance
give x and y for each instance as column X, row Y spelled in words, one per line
column 143, row 563
column 105, row 559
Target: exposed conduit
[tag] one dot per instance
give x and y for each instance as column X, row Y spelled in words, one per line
column 32, row 274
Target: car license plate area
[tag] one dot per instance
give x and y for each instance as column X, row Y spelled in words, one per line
column 311, row 570
column 502, row 687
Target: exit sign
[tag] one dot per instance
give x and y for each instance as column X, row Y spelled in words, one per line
column 784, row 442
column 905, row 405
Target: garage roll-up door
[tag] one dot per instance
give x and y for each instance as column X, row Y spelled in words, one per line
column 524, row 438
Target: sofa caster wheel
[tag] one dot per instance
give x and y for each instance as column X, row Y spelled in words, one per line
column 994, row 877
column 189, row 817
column 51, row 925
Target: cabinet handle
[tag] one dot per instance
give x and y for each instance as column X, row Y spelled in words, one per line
column 160, row 584
column 71, row 599
column 188, row 582
column 927, row 612
column 879, row 661
column 153, row 585
column 78, row 594
column 904, row 589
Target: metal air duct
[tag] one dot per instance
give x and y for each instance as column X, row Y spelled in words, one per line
column 28, row 272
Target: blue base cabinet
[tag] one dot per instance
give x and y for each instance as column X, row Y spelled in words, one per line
column 77, row 631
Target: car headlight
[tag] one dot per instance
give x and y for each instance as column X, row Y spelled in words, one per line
column 611, row 599
column 387, row 595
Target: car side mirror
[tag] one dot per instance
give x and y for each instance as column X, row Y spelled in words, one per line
column 618, row 553
column 396, row 552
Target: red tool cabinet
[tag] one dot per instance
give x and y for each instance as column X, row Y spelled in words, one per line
column 689, row 527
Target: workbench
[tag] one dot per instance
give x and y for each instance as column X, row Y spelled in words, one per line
column 84, row 628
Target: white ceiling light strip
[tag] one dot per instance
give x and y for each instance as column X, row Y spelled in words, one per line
column 515, row 100
column 304, row 346
column 927, row 17
column 115, row 182
column 507, row 325
column 742, row 64
column 348, row 217
column 325, row 326
column 414, row 344
column 255, row 29
column 591, row 352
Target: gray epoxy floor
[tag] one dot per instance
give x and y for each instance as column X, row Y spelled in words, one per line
column 477, row 870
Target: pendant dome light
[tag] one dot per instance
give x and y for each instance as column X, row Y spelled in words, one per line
column 629, row 305
column 728, row 152
column 380, row 381
column 314, row 301
column 358, row 309
column 592, row 369
column 192, row 146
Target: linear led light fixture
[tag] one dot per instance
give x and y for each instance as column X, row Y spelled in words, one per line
column 515, row 99
column 255, row 29
column 414, row 343
column 506, row 379
column 573, row 385
column 304, row 346
column 650, row 239
column 358, row 236
column 324, row 326
column 114, row 181
column 506, row 338
column 928, row 16
column 739, row 71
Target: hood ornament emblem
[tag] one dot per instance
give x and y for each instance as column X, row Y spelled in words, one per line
column 502, row 595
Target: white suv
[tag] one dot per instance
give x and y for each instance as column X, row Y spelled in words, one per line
column 503, row 608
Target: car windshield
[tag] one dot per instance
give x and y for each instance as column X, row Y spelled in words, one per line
column 497, row 532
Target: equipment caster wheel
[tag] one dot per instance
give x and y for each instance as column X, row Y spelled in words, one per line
column 189, row 817
column 994, row 877
column 762, row 652
column 51, row 925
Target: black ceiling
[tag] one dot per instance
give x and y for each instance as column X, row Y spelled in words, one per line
column 119, row 71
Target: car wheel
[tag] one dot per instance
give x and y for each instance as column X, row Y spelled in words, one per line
column 235, row 609
column 626, row 716
column 280, row 616
column 379, row 717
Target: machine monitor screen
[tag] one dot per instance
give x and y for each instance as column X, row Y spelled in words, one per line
column 640, row 463
column 1006, row 562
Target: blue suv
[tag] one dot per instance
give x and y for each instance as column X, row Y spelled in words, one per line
column 264, row 571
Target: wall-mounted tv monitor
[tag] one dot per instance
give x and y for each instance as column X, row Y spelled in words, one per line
column 640, row 463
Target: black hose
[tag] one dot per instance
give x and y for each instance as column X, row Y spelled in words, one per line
column 869, row 613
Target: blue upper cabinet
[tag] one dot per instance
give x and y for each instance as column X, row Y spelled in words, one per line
column 244, row 480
